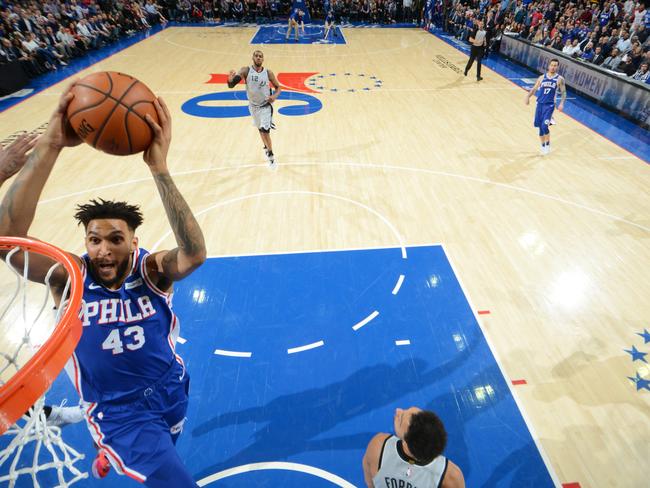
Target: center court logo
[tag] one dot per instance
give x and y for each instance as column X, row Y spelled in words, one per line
column 211, row 105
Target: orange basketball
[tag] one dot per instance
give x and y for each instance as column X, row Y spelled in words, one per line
column 108, row 112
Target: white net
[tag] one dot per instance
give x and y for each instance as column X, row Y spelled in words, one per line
column 31, row 446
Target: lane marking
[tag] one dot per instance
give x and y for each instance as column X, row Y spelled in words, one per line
column 234, row 354
column 499, row 361
column 404, row 342
column 180, row 340
column 398, row 285
column 306, row 347
column 365, row 321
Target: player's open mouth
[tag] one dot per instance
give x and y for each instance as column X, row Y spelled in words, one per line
column 106, row 266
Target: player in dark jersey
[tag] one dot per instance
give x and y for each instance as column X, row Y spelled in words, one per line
column 546, row 88
column 133, row 384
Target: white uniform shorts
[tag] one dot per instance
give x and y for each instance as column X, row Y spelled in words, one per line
column 262, row 116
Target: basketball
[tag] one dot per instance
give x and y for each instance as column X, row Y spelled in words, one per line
column 108, row 112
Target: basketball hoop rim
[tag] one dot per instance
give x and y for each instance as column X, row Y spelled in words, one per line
column 20, row 392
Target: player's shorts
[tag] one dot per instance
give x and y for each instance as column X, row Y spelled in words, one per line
column 543, row 114
column 139, row 434
column 262, row 116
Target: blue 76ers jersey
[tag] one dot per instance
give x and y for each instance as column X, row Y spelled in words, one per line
column 547, row 89
column 128, row 337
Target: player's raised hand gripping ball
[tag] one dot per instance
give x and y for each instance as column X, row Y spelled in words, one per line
column 108, row 112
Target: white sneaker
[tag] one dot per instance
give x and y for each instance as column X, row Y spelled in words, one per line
column 543, row 150
column 62, row 416
column 271, row 160
column 552, row 121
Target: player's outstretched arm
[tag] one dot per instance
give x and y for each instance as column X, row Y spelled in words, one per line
column 533, row 89
column 177, row 263
column 18, row 206
column 235, row 77
column 14, row 156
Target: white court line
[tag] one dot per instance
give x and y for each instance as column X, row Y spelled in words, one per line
column 398, row 285
column 383, row 167
column 298, row 192
column 180, row 340
column 233, row 354
column 365, row 321
column 254, row 34
column 404, row 342
column 311, row 251
column 301, row 468
column 306, row 347
column 342, row 35
column 506, row 378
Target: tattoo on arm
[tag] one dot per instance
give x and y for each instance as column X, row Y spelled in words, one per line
column 562, row 91
column 186, row 229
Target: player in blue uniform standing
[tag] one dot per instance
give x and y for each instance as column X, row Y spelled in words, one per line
column 546, row 88
column 133, row 384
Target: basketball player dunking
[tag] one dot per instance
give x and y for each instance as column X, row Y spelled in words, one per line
column 546, row 87
column 125, row 368
column 260, row 99
column 413, row 456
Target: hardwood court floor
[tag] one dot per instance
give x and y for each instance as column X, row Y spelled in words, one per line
column 556, row 247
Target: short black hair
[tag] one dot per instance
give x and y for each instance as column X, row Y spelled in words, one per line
column 554, row 59
column 108, row 209
column 426, row 436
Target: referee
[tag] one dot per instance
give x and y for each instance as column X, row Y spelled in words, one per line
column 477, row 40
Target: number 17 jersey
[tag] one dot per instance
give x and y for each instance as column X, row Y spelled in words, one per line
column 128, row 338
column 547, row 89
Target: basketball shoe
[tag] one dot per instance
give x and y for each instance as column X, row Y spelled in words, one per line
column 270, row 157
column 62, row 416
column 101, row 465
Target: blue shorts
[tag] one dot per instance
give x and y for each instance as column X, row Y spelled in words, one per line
column 139, row 435
column 543, row 114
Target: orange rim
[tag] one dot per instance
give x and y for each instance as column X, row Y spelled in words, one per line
column 36, row 376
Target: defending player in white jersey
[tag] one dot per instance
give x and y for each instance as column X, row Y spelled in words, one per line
column 412, row 458
column 259, row 81
column 125, row 366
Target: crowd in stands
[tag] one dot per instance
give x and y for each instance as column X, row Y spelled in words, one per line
column 44, row 35
column 611, row 34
